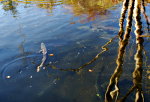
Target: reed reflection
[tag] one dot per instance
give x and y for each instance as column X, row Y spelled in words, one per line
column 143, row 10
column 137, row 73
column 111, row 94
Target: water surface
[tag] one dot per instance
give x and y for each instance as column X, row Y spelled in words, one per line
column 73, row 31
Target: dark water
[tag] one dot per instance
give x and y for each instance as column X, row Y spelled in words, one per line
column 73, row 31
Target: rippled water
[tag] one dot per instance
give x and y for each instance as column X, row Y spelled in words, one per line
column 73, row 32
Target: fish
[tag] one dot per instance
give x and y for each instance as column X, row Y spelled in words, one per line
column 44, row 52
column 43, row 49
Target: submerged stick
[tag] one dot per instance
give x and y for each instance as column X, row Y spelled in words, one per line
column 104, row 49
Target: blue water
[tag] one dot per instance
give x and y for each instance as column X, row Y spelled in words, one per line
column 74, row 40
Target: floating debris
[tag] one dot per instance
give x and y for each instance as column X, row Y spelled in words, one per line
column 8, row 77
column 51, row 54
column 54, row 81
column 31, row 77
column 78, row 53
column 148, row 77
column 90, row 70
column 44, row 51
column 72, row 22
column 97, row 95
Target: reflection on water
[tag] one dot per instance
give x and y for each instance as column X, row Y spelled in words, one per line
column 110, row 93
column 137, row 74
column 89, row 9
column 79, row 60
column 9, row 5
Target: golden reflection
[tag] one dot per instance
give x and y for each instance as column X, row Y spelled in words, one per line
column 143, row 10
column 137, row 73
column 10, row 5
column 111, row 94
column 89, row 9
column 48, row 4
column 123, row 12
